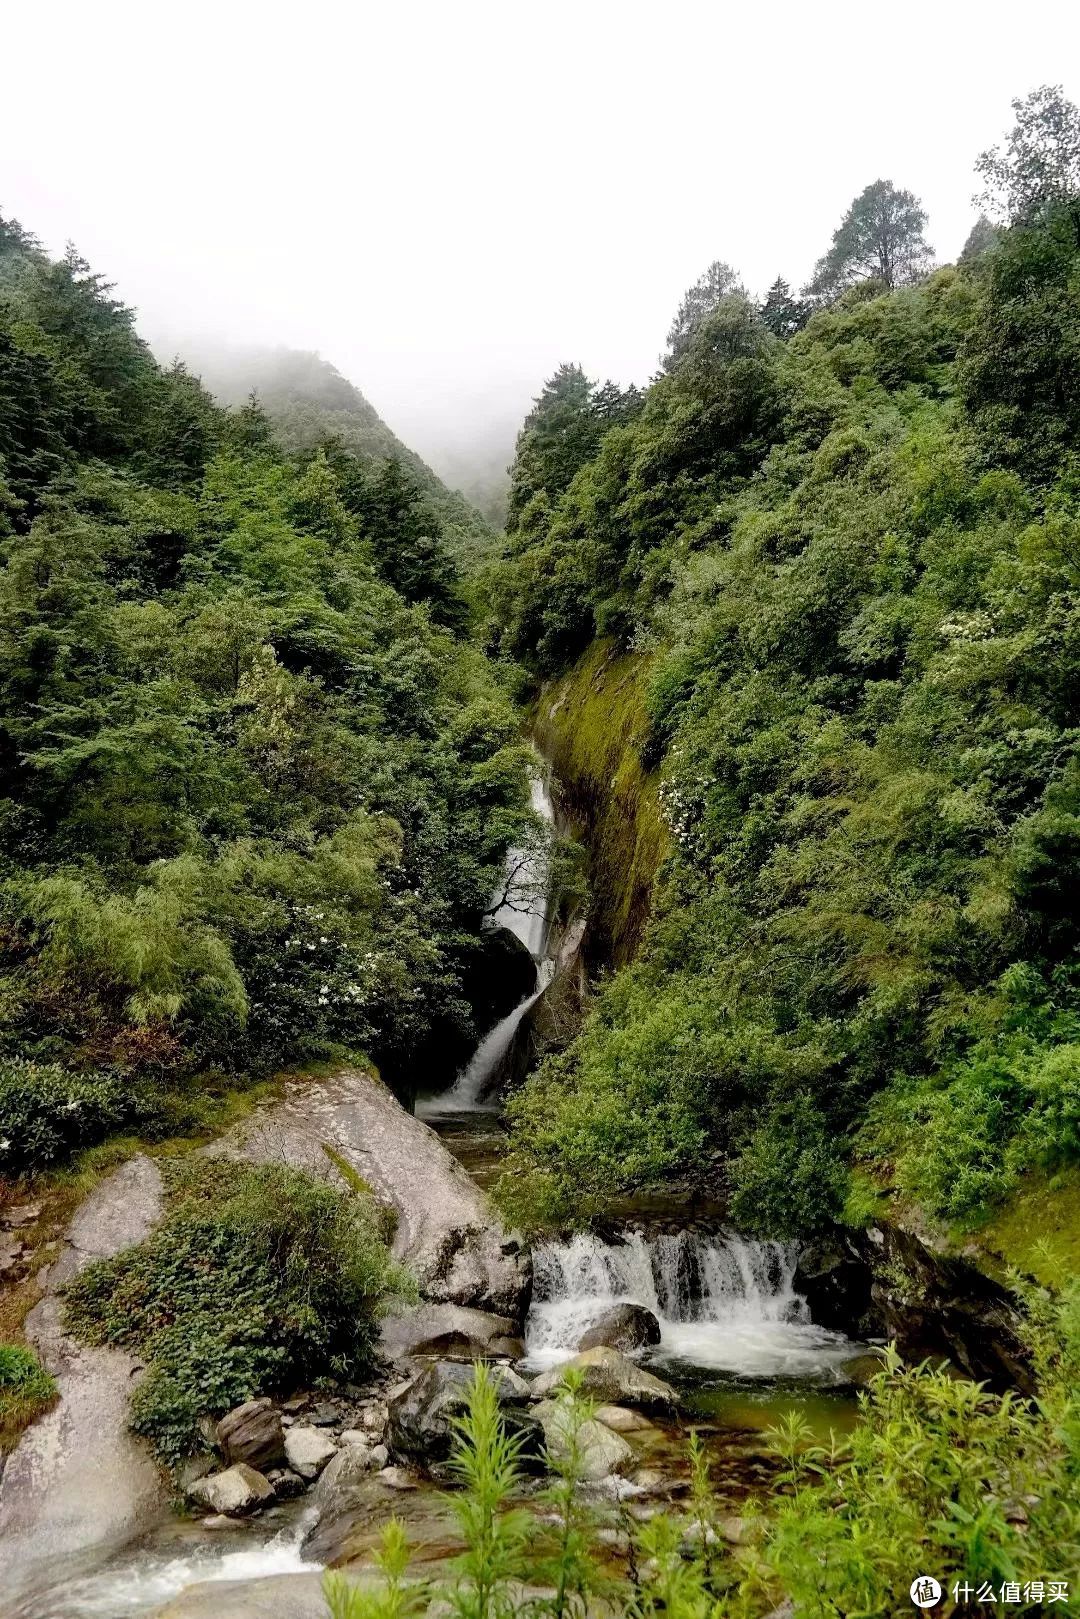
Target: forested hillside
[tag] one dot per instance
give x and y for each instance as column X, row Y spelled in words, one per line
column 311, row 404
column 255, row 786
column 846, row 528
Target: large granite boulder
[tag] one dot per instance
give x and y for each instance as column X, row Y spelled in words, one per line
column 79, row 1484
column 445, row 1230
column 625, row 1327
column 450, row 1332
column 608, row 1376
column 308, row 1450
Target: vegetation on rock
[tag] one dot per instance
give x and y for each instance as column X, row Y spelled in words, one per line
column 259, row 1279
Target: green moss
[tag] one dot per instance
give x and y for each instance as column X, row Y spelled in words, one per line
column 592, row 724
column 1038, row 1231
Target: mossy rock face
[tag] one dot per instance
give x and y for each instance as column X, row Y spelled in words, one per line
column 592, row 724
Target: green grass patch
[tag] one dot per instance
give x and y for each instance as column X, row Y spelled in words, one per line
column 27, row 1390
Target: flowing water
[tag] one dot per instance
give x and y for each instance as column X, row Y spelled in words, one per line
column 524, row 912
column 141, row 1579
column 736, row 1338
column 725, row 1304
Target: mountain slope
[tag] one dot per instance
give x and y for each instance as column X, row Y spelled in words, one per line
column 309, row 401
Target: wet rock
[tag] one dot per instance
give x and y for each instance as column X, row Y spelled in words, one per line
column 620, row 1419
column 287, row 1484
column 610, row 1377
column 308, row 1450
column 446, row 1231
column 422, row 1410
column 397, row 1478
column 252, row 1433
column 235, row 1492
column 929, row 1302
column 276, row 1596
column 423, row 1330
column 51, row 1497
column 351, row 1464
column 624, row 1326
column 325, row 1415
column 600, row 1452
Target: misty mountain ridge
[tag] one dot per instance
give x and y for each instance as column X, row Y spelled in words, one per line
column 309, row 401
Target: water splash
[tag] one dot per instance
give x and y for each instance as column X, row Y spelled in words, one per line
column 724, row 1302
column 138, row 1582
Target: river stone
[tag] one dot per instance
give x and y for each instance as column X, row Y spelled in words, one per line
column 422, row 1410
column 600, row 1452
column 235, row 1492
column 624, row 1326
column 450, row 1332
column 275, row 1596
column 308, row 1450
column 446, row 1232
column 620, row 1419
column 351, row 1464
column 252, row 1433
column 610, row 1377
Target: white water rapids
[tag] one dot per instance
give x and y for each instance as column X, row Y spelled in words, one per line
column 524, row 912
column 724, row 1303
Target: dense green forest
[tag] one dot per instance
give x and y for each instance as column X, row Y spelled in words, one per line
column 256, row 784
column 845, row 530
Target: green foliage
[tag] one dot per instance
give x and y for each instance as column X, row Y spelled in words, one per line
column 848, row 563
column 880, row 238
column 938, row 1475
column 26, row 1391
column 259, row 1279
column 1039, row 164
column 47, row 1112
column 255, row 790
column 941, row 1476
column 699, row 303
column 487, row 1464
column 393, row 1597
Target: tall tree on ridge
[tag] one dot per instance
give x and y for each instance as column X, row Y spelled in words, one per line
column 880, row 238
column 699, row 302
column 1040, row 162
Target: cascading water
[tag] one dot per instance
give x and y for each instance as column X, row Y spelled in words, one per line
column 724, row 1303
column 524, row 912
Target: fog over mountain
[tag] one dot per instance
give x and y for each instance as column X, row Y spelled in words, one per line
column 447, row 204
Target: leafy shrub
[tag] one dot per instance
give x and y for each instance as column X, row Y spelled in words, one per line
column 963, row 1142
column 790, row 1178
column 258, row 1279
column 48, row 1112
column 26, row 1390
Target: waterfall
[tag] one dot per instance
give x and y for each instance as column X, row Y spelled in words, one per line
column 524, row 912
column 724, row 1302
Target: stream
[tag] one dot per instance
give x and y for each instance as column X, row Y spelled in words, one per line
column 736, row 1339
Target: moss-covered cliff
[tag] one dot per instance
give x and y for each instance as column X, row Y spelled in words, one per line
column 591, row 725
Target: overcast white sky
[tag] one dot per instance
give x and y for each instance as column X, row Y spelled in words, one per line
column 449, row 199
